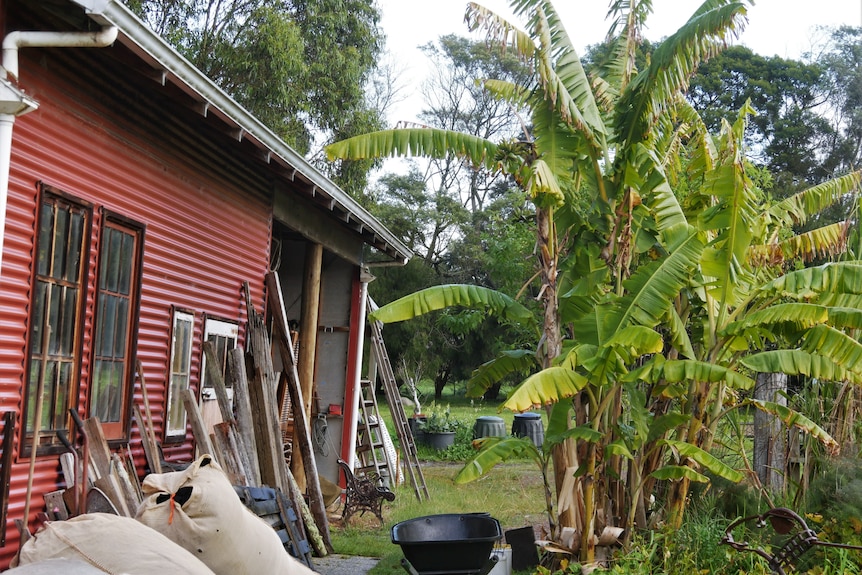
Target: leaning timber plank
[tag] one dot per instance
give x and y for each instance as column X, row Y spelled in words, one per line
column 214, row 376
column 235, row 441
column 133, row 472
column 198, row 428
column 100, row 455
column 244, row 420
column 311, row 530
column 151, row 450
column 270, row 450
column 302, row 433
column 150, row 429
column 6, row 471
column 122, row 474
column 225, row 442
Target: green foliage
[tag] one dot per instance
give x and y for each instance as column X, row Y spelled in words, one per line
column 299, row 66
column 836, row 496
column 440, row 297
column 440, row 422
column 652, row 287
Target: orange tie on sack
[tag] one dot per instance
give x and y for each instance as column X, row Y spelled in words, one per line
column 171, row 515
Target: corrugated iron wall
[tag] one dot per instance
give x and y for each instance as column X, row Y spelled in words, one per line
column 124, row 149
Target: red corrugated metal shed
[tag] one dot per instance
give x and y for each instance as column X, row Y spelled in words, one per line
column 201, row 180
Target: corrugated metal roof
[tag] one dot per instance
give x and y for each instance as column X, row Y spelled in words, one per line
column 213, row 102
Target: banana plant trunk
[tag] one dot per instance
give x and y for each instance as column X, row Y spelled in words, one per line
column 679, row 489
column 552, row 341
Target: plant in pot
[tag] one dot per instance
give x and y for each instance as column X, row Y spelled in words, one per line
column 411, row 379
column 439, row 429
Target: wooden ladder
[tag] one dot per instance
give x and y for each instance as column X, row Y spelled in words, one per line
column 371, row 453
column 405, row 436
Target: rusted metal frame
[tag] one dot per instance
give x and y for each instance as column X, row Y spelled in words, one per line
column 6, row 472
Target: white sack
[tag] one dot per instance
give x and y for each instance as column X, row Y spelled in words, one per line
column 55, row 566
column 198, row 509
column 114, row 544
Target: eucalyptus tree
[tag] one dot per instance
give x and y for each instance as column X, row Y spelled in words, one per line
column 456, row 100
column 841, row 61
column 649, row 327
column 301, row 66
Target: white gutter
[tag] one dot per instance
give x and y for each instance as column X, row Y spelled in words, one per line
column 137, row 35
column 14, row 103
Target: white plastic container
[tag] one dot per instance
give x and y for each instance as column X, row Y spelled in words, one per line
column 504, row 561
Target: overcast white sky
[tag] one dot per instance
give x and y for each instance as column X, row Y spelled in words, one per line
column 775, row 27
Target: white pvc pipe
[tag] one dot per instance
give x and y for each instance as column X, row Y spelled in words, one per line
column 21, row 39
column 11, row 44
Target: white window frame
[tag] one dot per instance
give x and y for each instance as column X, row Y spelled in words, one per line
column 179, row 316
column 226, row 329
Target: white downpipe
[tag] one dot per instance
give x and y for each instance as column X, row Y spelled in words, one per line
column 11, row 44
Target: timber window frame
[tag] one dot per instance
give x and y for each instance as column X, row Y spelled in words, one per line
column 59, row 294
column 118, row 286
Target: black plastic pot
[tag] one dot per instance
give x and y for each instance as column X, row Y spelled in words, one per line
column 449, row 543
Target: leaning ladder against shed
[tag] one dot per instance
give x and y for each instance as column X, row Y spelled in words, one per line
column 399, row 418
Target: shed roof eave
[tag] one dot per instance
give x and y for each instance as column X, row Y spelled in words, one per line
column 137, row 36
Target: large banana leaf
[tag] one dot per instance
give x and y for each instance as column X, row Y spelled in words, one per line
column 803, row 315
column 544, row 388
column 440, row 297
column 704, row 459
column 654, row 188
column 677, row 473
column 845, row 317
column 507, row 91
column 809, row 283
column 664, row 423
column 799, row 362
column 574, row 99
column 792, row 418
column 493, row 451
column 842, row 301
column 555, row 143
column 839, row 347
column 827, row 241
column 628, row 18
column 571, row 78
column 652, row 289
column 679, row 336
column 637, row 340
column 499, row 30
column 652, row 91
column 427, row 142
column 797, row 208
column 542, row 185
column 732, row 218
column 683, row 370
column 490, row 372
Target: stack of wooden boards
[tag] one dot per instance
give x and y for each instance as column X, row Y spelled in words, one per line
column 247, row 444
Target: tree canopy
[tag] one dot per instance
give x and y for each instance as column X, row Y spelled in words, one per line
column 300, row 66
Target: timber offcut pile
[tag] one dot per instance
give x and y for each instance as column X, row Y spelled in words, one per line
column 246, row 448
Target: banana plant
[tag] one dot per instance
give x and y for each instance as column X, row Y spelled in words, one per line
column 658, row 300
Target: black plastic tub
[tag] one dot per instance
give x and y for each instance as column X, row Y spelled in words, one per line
column 450, row 543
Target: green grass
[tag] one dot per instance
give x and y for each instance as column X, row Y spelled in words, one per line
column 512, row 493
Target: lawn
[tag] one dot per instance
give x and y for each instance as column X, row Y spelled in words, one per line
column 512, row 493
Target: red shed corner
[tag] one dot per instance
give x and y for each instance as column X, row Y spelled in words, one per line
column 138, row 198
